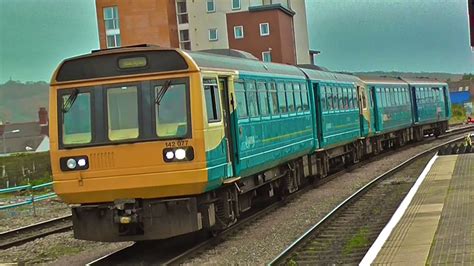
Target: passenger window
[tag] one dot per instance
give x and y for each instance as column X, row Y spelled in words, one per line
column 329, row 99
column 290, row 97
column 297, row 92
column 262, row 98
column 241, row 101
column 122, row 112
column 351, row 98
column 77, row 119
column 335, row 99
column 272, row 98
column 251, row 98
column 213, row 106
column 323, row 96
column 304, row 98
column 281, row 98
column 345, row 99
column 340, row 98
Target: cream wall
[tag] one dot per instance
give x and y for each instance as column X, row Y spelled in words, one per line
column 301, row 32
column 200, row 21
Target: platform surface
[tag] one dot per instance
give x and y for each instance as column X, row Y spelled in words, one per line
column 438, row 225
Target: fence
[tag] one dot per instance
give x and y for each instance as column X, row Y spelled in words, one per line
column 32, row 198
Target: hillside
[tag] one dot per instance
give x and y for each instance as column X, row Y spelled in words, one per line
column 436, row 75
column 20, row 102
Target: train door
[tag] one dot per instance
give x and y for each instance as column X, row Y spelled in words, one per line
column 362, row 104
column 447, row 103
column 228, row 105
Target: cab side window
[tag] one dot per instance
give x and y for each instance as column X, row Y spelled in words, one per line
column 213, row 103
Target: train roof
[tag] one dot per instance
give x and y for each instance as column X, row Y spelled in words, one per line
column 243, row 65
column 329, row 76
column 424, row 81
column 383, row 80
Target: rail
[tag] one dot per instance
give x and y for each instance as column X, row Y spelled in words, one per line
column 287, row 253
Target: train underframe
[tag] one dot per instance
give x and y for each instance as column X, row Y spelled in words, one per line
column 149, row 219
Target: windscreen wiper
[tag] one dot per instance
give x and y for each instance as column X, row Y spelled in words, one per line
column 161, row 93
column 67, row 105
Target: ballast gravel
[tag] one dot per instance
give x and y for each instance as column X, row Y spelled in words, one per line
column 262, row 241
column 257, row 243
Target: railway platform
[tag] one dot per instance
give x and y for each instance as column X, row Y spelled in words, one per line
column 435, row 222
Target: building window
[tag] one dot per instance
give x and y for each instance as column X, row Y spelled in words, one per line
column 112, row 27
column 264, row 29
column 213, row 35
column 239, row 32
column 235, row 4
column 182, row 12
column 267, row 56
column 210, row 6
column 184, row 41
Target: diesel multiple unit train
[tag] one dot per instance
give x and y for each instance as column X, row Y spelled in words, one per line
column 152, row 143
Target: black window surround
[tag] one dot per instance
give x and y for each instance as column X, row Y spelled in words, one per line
column 146, row 113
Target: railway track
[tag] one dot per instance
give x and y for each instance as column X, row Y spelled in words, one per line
column 345, row 234
column 29, row 233
column 158, row 252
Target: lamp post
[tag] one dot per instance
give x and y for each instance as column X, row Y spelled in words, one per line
column 3, row 138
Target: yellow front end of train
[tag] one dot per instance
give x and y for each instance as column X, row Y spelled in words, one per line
column 128, row 143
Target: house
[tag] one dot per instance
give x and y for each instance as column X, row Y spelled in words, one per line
column 25, row 137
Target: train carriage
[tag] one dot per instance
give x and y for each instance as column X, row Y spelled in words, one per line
column 150, row 143
column 431, row 106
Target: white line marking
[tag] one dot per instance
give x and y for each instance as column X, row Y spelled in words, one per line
column 383, row 236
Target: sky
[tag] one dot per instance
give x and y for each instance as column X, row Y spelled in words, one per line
column 352, row 35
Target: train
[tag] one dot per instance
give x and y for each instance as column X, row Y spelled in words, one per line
column 151, row 143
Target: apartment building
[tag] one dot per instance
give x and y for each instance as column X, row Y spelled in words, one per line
column 271, row 30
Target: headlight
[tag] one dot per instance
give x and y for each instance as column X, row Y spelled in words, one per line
column 169, row 155
column 82, row 162
column 180, row 154
column 71, row 164
column 74, row 163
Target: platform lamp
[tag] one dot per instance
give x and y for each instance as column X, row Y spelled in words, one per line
column 3, row 139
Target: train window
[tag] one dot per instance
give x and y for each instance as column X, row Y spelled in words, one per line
column 345, row 99
column 304, row 98
column 172, row 113
column 340, row 99
column 290, row 97
column 251, row 98
column 350, row 98
column 297, row 92
column 262, row 98
column 122, row 112
column 335, row 99
column 272, row 98
column 77, row 119
column 241, row 101
column 329, row 99
column 281, row 98
column 323, row 98
column 211, row 93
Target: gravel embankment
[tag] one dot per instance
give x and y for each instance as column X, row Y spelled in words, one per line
column 256, row 244
column 58, row 249
column 23, row 215
column 265, row 239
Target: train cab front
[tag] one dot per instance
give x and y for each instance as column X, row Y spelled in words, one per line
column 126, row 152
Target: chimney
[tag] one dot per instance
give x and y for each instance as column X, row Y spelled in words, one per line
column 43, row 116
column 43, row 121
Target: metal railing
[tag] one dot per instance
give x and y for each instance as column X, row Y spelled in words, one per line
column 32, row 198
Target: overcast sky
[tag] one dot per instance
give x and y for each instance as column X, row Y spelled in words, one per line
column 352, row 35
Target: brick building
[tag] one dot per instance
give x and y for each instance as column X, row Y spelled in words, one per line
column 271, row 30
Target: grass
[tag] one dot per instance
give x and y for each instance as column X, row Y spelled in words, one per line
column 359, row 240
